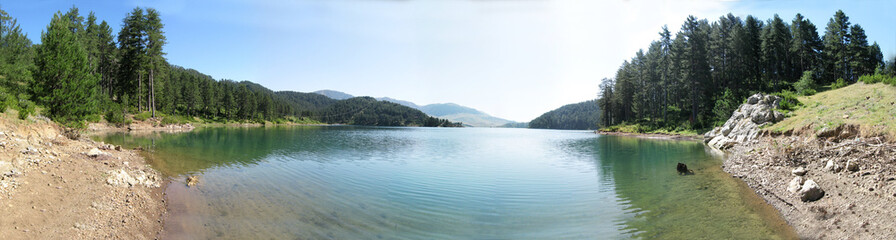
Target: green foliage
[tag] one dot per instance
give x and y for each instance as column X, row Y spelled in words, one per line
column 806, row 85
column 142, row 116
column 789, row 101
column 583, row 115
column 878, row 78
column 724, row 106
column 115, row 114
column 694, row 77
column 838, row 84
column 26, row 107
column 64, row 82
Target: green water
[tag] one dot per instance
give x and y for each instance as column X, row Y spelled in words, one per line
column 436, row 183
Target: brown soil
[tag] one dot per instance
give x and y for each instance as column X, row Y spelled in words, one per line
column 858, row 204
column 50, row 188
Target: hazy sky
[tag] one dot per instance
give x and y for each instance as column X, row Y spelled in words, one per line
column 511, row 59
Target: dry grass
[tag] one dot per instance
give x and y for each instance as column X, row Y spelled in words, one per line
column 871, row 106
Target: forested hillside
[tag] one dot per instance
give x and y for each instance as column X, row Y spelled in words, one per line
column 371, row 112
column 580, row 116
column 83, row 72
column 697, row 77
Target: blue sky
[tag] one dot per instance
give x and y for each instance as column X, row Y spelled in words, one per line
column 512, row 59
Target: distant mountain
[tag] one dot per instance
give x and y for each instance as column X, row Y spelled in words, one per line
column 581, row 116
column 453, row 112
column 402, row 102
column 334, row 94
column 468, row 116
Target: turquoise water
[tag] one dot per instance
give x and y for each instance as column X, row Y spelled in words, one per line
column 440, row 183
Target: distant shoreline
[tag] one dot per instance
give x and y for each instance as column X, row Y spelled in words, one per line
column 653, row 135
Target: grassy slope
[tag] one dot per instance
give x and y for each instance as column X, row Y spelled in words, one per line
column 872, row 106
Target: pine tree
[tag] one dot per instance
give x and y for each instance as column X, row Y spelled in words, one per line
column 776, row 40
column 16, row 57
column 155, row 40
column 836, row 56
column 806, row 46
column 132, row 47
column 64, row 82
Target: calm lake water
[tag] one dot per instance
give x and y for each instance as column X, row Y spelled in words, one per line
column 447, row 183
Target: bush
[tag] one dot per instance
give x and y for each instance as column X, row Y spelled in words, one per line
column 806, row 85
column 789, row 101
column 142, row 116
column 878, row 78
column 725, row 105
column 25, row 108
column 838, row 84
column 115, row 114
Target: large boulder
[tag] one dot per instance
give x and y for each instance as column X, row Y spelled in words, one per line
column 745, row 121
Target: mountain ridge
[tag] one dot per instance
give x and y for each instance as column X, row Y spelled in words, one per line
column 451, row 111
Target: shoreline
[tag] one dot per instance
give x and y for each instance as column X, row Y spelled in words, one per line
column 52, row 186
column 652, row 135
column 857, row 203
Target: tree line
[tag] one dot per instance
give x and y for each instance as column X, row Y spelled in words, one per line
column 82, row 72
column 698, row 77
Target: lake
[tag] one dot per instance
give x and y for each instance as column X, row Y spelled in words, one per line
column 345, row 182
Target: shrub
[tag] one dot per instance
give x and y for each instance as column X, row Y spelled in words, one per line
column 725, row 105
column 25, row 108
column 839, row 84
column 878, row 78
column 806, row 85
column 115, row 114
column 789, row 101
column 142, row 116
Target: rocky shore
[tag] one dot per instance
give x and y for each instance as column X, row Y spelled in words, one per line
column 833, row 183
column 53, row 187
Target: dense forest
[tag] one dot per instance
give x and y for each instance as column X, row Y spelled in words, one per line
column 82, row 72
column 697, row 77
column 580, row 116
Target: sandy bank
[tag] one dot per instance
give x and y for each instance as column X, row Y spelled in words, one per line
column 53, row 187
column 856, row 174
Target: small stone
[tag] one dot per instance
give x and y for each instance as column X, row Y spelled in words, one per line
column 810, row 191
column 94, row 152
column 831, row 167
column 800, row 171
column 795, row 184
column 852, row 166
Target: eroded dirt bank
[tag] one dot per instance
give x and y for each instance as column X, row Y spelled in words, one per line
column 855, row 173
column 53, row 187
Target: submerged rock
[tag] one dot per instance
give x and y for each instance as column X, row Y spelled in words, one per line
column 192, row 180
column 810, row 191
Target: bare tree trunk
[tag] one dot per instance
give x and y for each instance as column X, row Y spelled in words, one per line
column 152, row 92
column 139, row 92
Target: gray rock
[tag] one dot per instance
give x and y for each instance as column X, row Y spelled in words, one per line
column 744, row 123
column 810, row 191
column 96, row 153
column 800, row 171
column 829, row 167
column 754, row 99
column 795, row 184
